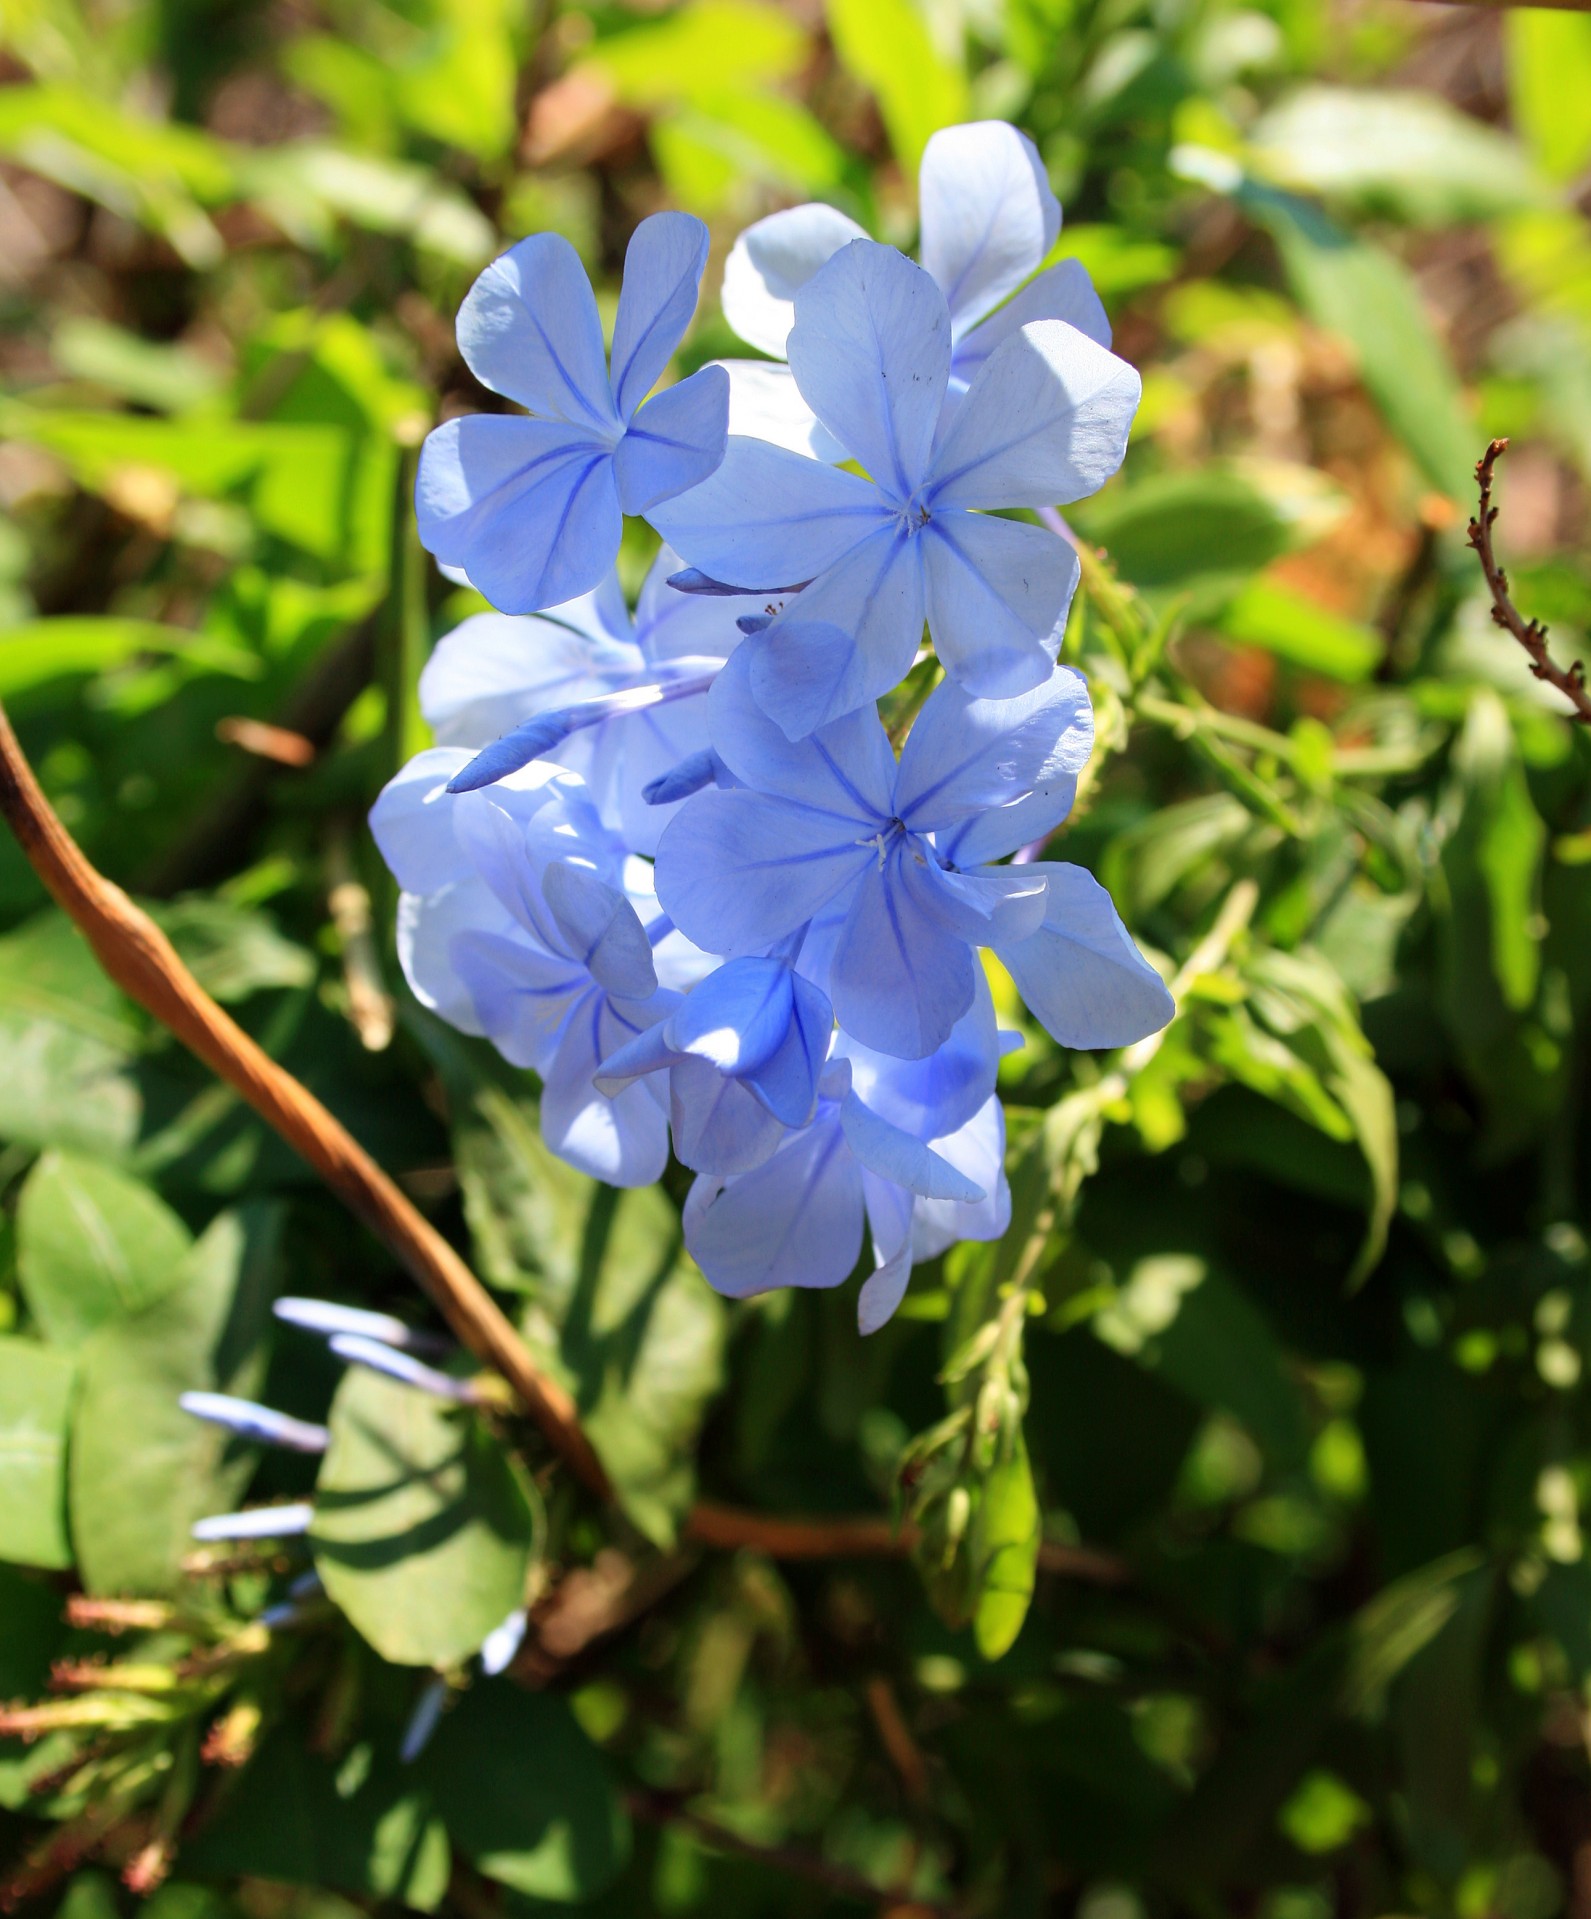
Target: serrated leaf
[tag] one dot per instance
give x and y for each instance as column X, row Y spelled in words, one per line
column 141, row 1471
column 93, row 1244
column 422, row 1532
column 36, row 1387
column 526, row 1795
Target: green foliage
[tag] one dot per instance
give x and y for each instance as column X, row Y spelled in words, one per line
column 1243, row 1484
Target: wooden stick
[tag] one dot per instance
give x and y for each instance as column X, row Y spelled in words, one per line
column 1531, row 634
column 144, row 964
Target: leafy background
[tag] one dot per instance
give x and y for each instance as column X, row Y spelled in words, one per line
column 1250, row 1468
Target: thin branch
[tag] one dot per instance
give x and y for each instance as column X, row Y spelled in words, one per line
column 1531, row 634
column 141, row 960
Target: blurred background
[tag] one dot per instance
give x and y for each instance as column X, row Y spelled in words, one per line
column 1272, row 1597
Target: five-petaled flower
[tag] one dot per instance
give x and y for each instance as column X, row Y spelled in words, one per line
column 532, row 509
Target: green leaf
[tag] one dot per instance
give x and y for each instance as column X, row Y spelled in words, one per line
column 700, row 52
column 232, row 951
column 1409, row 156
column 36, row 1387
column 1549, row 82
column 887, row 45
column 93, row 1244
column 1009, row 1529
column 43, row 650
column 544, row 1816
column 167, row 377
column 1365, row 295
column 141, row 1471
column 31, row 1609
column 364, row 1824
column 1302, row 632
column 1212, row 528
column 422, row 1530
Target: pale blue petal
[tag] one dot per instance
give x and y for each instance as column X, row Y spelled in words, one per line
column 771, row 262
column 993, row 904
column 622, row 1141
column 889, row 1218
column 675, row 442
column 1061, row 292
column 988, row 215
column 738, row 871
column 412, row 821
column 1003, row 829
column 600, row 929
column 847, row 639
column 426, row 931
column 902, row 1160
column 964, row 755
column 977, row 1150
column 997, row 595
column 899, row 980
column 795, row 1221
column 1081, row 976
column 662, row 271
column 629, row 755
column 737, row 1018
column 522, row 994
column 931, row 1098
column 529, row 508
column 495, row 670
column 1045, row 421
column 529, row 329
column 766, row 404
column 493, row 841
column 719, row 1125
column 870, row 351
column 787, row 1082
column 670, row 625
column 769, row 518
column 847, row 770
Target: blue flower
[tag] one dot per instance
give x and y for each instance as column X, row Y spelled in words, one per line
column 621, row 702
column 887, row 867
column 916, row 1152
column 523, row 919
column 531, row 509
column 1044, row 421
column 988, row 220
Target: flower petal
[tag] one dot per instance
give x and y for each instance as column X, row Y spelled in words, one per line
column 870, row 351
column 997, row 596
column 529, row 329
column 766, row 403
column 1003, row 829
column 964, row 755
column 976, row 1150
column 600, row 929
column 426, row 931
column 932, row 1097
column 845, row 640
column 657, row 299
column 988, row 215
column 1045, row 421
column 899, row 980
column 993, row 904
column 770, row 263
column 624, row 1140
column 529, row 508
column 737, row 1017
column 795, row 1221
column 738, row 871
column 847, row 770
column 675, row 441
column 497, row 669
column 1062, row 292
column 522, row 994
column 902, row 1160
column 412, row 821
column 719, row 1124
column 889, row 1218
column 1081, row 975
column 768, row 517
column 671, row 625
column 787, row 1082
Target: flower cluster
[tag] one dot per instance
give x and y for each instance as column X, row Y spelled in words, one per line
column 673, row 864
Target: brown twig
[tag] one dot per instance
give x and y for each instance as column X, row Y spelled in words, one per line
column 141, row 960
column 1531, row 634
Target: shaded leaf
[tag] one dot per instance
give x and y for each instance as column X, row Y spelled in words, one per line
column 36, row 1387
